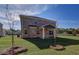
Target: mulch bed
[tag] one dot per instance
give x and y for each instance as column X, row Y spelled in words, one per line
column 57, row 47
column 13, row 51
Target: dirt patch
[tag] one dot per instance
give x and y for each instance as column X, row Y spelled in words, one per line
column 13, row 51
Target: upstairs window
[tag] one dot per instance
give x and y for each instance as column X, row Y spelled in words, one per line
column 35, row 22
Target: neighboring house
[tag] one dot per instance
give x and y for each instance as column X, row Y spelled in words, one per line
column 33, row 27
column 1, row 30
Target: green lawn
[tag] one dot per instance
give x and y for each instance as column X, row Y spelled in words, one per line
column 40, row 47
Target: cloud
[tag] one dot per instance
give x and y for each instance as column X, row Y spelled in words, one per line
column 30, row 9
column 2, row 14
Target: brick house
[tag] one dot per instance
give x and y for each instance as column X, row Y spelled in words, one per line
column 33, row 27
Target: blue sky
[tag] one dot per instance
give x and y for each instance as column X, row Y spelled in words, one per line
column 67, row 16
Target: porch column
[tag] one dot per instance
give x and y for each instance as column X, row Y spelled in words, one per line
column 43, row 33
column 55, row 36
column 54, row 33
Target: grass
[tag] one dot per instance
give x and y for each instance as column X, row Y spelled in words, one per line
column 40, row 47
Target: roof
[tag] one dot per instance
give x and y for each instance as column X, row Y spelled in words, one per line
column 35, row 17
column 39, row 21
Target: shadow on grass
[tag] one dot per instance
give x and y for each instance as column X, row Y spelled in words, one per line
column 44, row 43
column 67, row 42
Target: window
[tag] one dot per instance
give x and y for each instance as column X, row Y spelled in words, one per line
column 25, row 31
column 50, row 32
column 38, row 32
column 35, row 22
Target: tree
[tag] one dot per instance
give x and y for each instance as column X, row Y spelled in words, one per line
column 74, row 32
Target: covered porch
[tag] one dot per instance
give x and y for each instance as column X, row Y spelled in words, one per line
column 48, row 31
